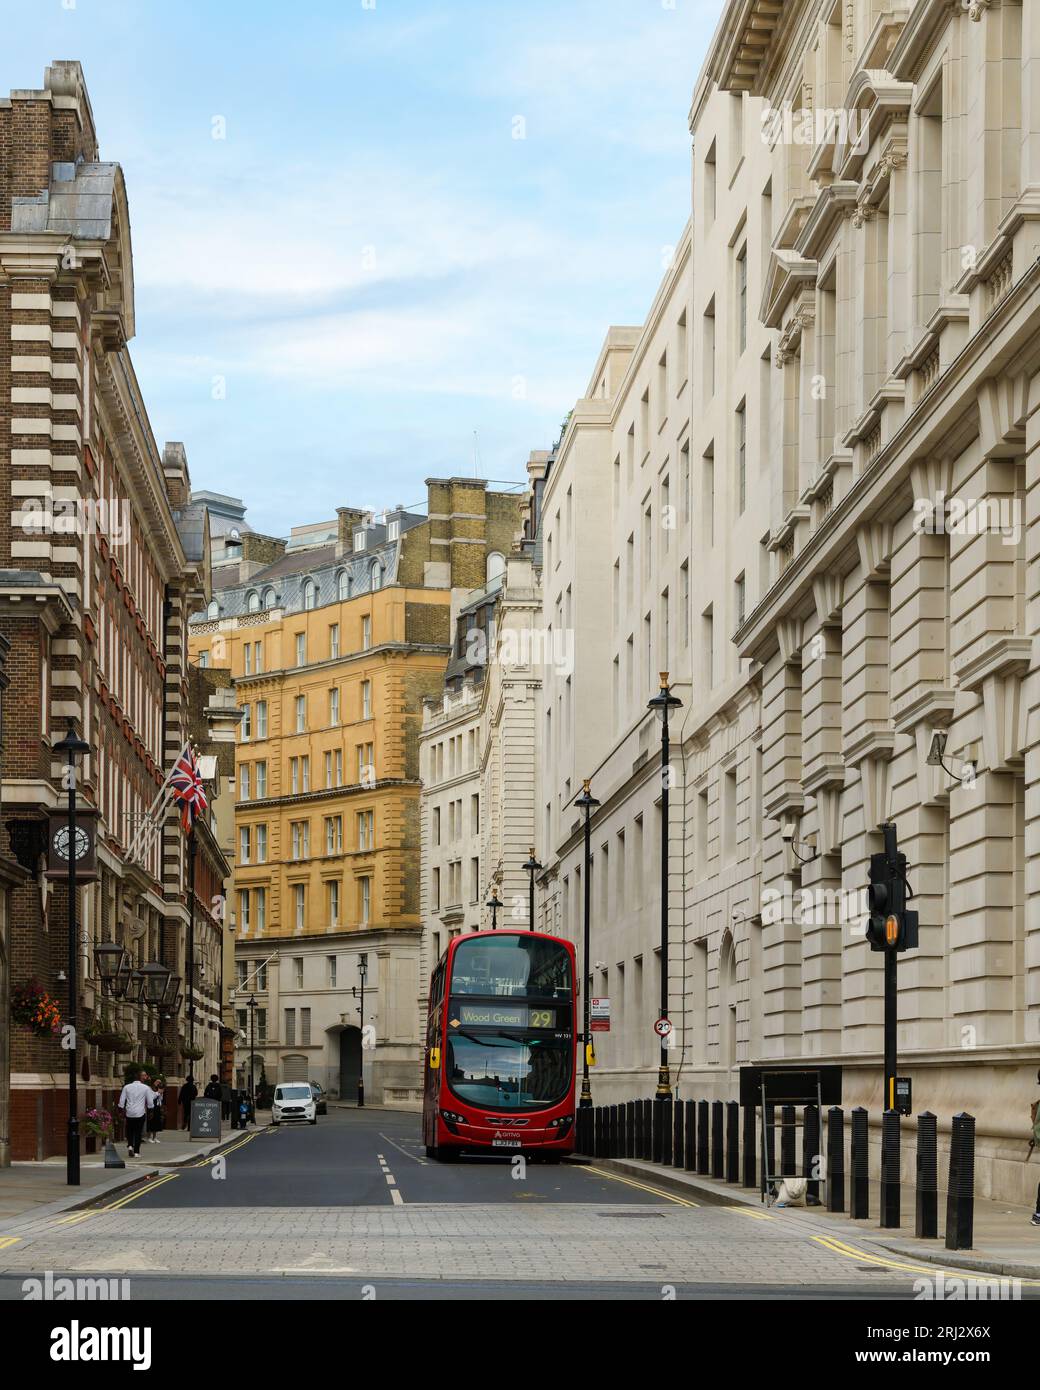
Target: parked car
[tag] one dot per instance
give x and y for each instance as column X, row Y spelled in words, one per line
column 293, row 1101
column 320, row 1098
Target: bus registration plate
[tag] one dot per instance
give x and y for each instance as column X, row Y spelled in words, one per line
column 505, row 1143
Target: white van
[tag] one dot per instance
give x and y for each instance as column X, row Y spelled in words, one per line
column 293, row 1100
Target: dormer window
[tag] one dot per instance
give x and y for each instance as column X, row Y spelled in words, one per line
column 269, row 598
column 393, row 530
column 344, row 585
column 310, row 593
column 213, row 611
column 252, row 602
column 377, row 576
column 359, row 539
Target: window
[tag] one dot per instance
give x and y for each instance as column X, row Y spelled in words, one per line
column 258, row 654
column 301, row 649
column 260, row 897
column 269, row 599
column 366, row 830
column 377, row 576
column 709, row 186
column 365, row 887
column 247, row 659
column 333, row 706
column 330, row 971
column 742, row 298
column 301, row 839
column 741, row 458
column 243, row 844
column 709, row 349
column 435, row 890
column 305, row 1027
column 301, row 714
column 245, row 724
column 310, row 593
column 344, row 585
column 366, row 633
column 213, row 611
column 261, row 718
column 328, row 770
column 243, row 909
column 261, row 844
column 243, row 782
column 261, row 780
column 366, row 767
column 252, row 602
column 334, row 640
column 393, row 530
column 708, row 646
column 305, row 773
column 495, row 567
column 333, row 834
column 298, row 972
column 290, row 1027
column 294, row 775
column 203, row 660
column 366, row 699
column 359, row 539
column 299, row 905
column 334, row 903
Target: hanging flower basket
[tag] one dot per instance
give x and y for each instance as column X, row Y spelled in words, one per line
column 35, row 1009
column 193, row 1054
column 123, row 1043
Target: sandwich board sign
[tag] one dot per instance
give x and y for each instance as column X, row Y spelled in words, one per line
column 205, row 1119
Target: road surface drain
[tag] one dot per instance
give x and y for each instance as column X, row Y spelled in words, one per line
column 639, row 1215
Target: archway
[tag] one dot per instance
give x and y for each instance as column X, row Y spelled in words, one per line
column 349, row 1063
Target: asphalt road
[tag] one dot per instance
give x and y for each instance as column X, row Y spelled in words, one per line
column 352, row 1209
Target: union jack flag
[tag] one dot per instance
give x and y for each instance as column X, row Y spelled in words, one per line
column 186, row 782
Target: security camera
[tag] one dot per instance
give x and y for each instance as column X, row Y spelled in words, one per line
column 936, row 749
column 787, row 831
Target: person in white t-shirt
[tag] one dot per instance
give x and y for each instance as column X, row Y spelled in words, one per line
column 135, row 1100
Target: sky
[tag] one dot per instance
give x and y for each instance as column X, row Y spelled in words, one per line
column 377, row 241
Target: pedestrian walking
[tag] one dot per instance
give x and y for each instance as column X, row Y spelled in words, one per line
column 225, row 1101
column 185, row 1096
column 244, row 1110
column 156, row 1115
column 135, row 1100
column 213, row 1091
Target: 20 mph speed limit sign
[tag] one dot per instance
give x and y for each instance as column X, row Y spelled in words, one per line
column 662, row 1027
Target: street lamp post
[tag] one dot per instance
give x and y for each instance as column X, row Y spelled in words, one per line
column 191, row 951
column 662, row 703
column 532, row 866
column 252, row 1006
column 72, row 747
column 586, row 802
column 494, row 904
column 362, row 976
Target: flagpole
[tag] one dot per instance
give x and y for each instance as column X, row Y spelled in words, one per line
column 191, row 949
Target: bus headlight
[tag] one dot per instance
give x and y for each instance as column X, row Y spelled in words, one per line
column 562, row 1123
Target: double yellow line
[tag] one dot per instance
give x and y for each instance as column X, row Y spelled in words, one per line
column 643, row 1187
column 840, row 1247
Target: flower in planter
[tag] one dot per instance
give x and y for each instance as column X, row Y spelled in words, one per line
column 35, row 1009
column 97, row 1124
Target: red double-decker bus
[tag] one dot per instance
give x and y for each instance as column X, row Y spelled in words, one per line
column 500, row 1046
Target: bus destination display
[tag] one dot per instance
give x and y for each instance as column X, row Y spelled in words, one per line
column 504, row 1016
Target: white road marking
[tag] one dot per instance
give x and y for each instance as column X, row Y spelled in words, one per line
column 414, row 1157
column 396, row 1197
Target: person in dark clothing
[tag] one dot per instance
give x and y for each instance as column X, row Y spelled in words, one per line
column 185, row 1096
column 155, row 1115
column 213, row 1091
column 225, row 1101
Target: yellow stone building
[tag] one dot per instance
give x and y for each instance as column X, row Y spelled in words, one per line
column 332, row 647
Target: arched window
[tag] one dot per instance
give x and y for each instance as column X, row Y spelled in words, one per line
column 269, row 598
column 496, row 566
column 213, row 611
column 252, row 601
column 310, row 593
column 377, row 576
column 344, row 584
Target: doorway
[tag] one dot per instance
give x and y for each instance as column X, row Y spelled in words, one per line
column 349, row 1063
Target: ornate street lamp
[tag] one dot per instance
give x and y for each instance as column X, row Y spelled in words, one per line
column 109, row 960
column 154, row 982
column 362, row 976
column 72, row 747
column 494, row 904
column 662, row 704
column 586, row 802
column 532, row 866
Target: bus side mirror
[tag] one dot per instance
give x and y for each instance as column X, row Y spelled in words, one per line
column 435, row 1058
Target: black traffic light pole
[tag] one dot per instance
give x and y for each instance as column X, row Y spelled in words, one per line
column 892, row 928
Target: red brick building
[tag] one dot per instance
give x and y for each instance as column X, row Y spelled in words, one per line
column 102, row 557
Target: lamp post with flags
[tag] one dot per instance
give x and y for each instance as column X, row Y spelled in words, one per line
column 186, row 785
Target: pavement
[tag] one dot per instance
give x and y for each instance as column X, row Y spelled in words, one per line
column 353, row 1208
column 1004, row 1242
column 33, row 1189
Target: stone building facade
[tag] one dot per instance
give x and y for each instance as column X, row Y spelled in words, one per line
column 332, row 647
column 862, row 355
column 99, row 571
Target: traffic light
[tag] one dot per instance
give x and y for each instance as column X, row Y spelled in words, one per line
column 891, row 924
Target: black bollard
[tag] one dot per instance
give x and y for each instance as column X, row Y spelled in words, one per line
column 835, row 1159
column 770, row 1141
column 859, row 1192
column 678, row 1137
column 960, row 1199
column 890, row 1170
column 615, row 1131
column 597, row 1142
column 732, row 1141
column 666, row 1106
column 703, row 1166
column 691, row 1137
column 656, row 1118
column 637, row 1129
column 926, row 1224
column 788, row 1145
column 718, row 1169
column 812, row 1159
column 750, row 1168
column 630, row 1130
column 648, row 1130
